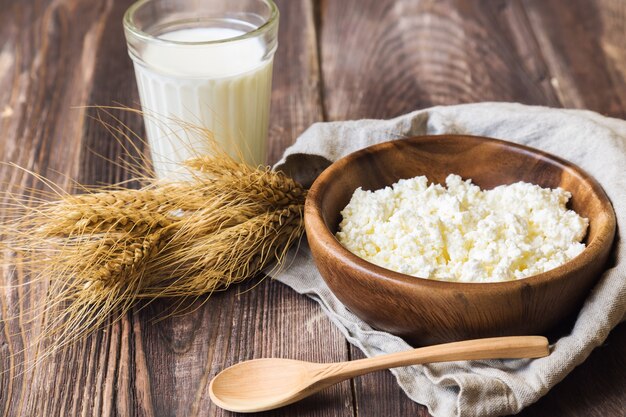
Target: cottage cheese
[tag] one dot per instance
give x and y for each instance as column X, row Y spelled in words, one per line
column 462, row 233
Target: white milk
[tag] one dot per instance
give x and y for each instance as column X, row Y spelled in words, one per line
column 223, row 87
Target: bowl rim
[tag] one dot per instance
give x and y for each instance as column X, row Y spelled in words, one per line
column 316, row 226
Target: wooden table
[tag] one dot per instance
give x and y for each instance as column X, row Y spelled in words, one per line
column 337, row 59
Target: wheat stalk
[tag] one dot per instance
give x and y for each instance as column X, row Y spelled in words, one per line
column 103, row 251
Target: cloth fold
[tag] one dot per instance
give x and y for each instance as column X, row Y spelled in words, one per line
column 478, row 388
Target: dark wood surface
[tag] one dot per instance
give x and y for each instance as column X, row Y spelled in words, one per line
column 337, row 59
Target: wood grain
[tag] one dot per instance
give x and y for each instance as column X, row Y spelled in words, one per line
column 585, row 51
column 296, row 99
column 417, row 54
column 578, row 396
column 336, row 59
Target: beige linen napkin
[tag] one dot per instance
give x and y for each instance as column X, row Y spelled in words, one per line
column 495, row 387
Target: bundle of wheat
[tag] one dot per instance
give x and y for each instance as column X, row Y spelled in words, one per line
column 102, row 251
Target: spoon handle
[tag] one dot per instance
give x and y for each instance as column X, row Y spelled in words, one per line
column 492, row 348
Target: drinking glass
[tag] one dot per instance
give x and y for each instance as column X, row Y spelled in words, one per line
column 204, row 73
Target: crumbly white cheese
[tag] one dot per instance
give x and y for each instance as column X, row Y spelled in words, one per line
column 462, row 233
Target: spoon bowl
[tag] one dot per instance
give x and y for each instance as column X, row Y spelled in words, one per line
column 259, row 384
column 265, row 384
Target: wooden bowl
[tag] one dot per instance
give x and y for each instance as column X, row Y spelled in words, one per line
column 425, row 311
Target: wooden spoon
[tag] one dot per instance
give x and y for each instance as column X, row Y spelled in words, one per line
column 265, row 384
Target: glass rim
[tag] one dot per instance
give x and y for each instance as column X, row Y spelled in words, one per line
column 132, row 28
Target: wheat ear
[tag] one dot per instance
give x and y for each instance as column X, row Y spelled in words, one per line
column 101, row 252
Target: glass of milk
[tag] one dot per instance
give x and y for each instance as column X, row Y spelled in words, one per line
column 207, row 64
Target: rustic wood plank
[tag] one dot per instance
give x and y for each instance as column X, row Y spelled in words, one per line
column 594, row 389
column 296, row 101
column 405, row 55
column 585, row 50
column 46, row 63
